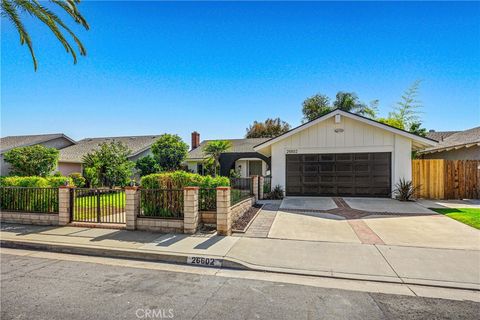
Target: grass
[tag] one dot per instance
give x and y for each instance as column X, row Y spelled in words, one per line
column 470, row 216
column 106, row 200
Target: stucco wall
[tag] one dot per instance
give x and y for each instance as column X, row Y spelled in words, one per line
column 67, row 168
column 472, row 153
column 356, row 137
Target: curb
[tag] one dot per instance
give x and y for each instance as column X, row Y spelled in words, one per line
column 226, row 263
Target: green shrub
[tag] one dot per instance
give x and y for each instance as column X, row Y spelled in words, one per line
column 276, row 193
column 78, row 180
column 34, row 182
column 34, row 160
column 180, row 179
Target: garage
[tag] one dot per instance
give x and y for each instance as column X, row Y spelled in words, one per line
column 341, row 154
column 339, row 174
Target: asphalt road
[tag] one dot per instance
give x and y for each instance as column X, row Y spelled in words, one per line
column 38, row 288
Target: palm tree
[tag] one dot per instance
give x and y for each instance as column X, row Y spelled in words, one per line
column 11, row 9
column 214, row 149
column 348, row 101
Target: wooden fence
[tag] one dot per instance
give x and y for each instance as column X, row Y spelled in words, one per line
column 447, row 179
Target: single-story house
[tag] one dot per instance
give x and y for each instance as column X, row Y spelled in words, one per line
column 71, row 158
column 53, row 140
column 241, row 157
column 454, row 145
column 341, row 154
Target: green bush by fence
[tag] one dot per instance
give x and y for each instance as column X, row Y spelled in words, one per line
column 177, row 180
column 35, row 182
column 181, row 179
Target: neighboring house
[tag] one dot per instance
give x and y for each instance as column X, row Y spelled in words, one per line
column 342, row 154
column 454, row 145
column 240, row 157
column 71, row 158
column 54, row 140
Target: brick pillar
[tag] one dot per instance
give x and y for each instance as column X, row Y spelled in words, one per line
column 132, row 206
column 261, row 182
column 190, row 210
column 64, row 205
column 224, row 217
column 255, row 187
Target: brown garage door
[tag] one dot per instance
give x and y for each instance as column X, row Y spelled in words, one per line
column 341, row 174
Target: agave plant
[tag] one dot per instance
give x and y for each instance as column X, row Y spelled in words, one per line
column 405, row 190
column 12, row 9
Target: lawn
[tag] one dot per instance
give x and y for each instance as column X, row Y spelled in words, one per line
column 470, row 216
column 85, row 208
column 106, row 200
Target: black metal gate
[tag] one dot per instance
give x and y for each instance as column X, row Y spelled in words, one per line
column 97, row 205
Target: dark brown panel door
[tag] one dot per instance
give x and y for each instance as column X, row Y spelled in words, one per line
column 340, row 174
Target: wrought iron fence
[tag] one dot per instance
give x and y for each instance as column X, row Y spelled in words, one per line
column 241, row 189
column 161, row 203
column 267, row 184
column 207, row 199
column 42, row 200
column 97, row 205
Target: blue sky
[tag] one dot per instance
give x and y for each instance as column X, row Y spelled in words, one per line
column 157, row 67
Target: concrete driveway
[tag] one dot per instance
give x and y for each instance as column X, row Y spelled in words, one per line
column 380, row 221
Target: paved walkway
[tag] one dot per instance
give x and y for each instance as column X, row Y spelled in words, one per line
column 398, row 264
column 260, row 227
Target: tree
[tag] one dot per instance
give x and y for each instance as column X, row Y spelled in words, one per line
column 406, row 115
column 147, row 165
column 11, row 9
column 34, row 160
column 169, row 151
column 268, row 129
column 108, row 165
column 348, row 101
column 315, row 106
column 214, row 149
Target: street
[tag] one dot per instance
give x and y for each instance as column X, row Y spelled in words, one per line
column 33, row 287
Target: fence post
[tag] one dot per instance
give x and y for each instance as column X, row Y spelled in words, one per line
column 261, row 183
column 224, row 218
column 64, row 205
column 190, row 210
column 255, row 187
column 132, row 206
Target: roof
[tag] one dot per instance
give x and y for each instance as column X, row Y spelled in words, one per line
column 238, row 146
column 10, row 142
column 419, row 141
column 75, row 153
column 460, row 139
column 439, row 135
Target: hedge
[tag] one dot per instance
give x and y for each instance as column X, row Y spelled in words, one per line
column 180, row 179
column 161, row 203
column 35, row 182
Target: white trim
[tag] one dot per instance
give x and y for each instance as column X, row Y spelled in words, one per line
column 359, row 149
column 307, row 125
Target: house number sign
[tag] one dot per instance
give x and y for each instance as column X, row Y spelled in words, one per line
column 202, row 261
column 292, row 151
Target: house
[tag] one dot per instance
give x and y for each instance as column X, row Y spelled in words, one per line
column 241, row 157
column 341, row 154
column 53, row 140
column 71, row 158
column 454, row 145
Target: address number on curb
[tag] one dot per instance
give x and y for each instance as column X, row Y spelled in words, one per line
column 202, row 261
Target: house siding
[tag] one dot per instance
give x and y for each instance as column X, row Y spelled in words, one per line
column 356, row 137
column 67, row 168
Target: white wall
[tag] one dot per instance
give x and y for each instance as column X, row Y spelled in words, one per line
column 356, row 137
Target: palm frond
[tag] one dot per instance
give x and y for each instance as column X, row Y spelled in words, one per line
column 9, row 10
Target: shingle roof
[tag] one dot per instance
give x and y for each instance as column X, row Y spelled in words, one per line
column 75, row 153
column 238, row 145
column 440, row 135
column 10, row 142
column 458, row 139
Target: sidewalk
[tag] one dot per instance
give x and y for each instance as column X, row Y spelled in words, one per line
column 397, row 264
